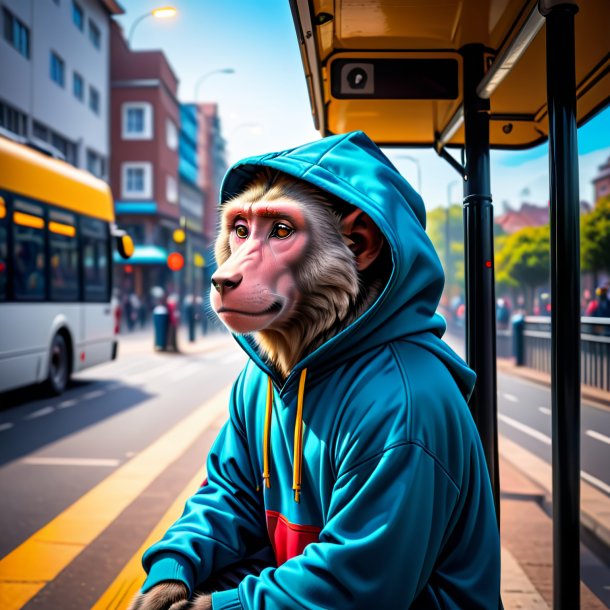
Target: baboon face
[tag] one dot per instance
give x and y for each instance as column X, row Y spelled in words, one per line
column 256, row 285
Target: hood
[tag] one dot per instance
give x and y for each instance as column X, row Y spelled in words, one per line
column 353, row 168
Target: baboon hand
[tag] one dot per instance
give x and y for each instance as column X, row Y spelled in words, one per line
column 163, row 596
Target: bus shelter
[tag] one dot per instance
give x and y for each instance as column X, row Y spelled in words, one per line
column 469, row 75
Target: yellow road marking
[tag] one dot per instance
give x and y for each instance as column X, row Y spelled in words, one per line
column 39, row 559
column 130, row 579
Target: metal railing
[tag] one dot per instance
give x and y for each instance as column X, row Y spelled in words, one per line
column 594, row 353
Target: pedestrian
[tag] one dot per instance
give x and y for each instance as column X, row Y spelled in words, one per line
column 173, row 312
column 600, row 307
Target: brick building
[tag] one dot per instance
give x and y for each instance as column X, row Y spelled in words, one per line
column 144, row 166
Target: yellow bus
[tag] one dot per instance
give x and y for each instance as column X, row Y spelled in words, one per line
column 56, row 231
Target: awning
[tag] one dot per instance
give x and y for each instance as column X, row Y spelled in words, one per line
column 144, row 255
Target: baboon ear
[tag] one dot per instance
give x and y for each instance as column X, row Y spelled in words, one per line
column 362, row 237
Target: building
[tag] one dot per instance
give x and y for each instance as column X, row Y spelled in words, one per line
column 144, row 166
column 601, row 182
column 54, row 89
column 191, row 200
column 213, row 165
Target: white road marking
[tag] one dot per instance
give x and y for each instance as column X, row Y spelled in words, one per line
column 64, row 404
column 595, row 481
column 599, row 437
column 187, row 371
column 6, row 426
column 544, row 410
column 94, row 394
column 41, row 412
column 510, row 397
column 58, row 461
column 526, row 429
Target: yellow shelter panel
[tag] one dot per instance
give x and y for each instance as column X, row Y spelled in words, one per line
column 32, row 174
column 512, row 32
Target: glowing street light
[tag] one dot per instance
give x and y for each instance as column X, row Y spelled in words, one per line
column 203, row 77
column 163, row 12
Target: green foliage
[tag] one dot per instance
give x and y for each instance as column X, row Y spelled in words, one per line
column 522, row 259
column 452, row 261
column 595, row 237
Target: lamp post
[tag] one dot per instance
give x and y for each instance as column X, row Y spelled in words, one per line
column 163, row 12
column 448, row 231
column 414, row 160
column 204, row 76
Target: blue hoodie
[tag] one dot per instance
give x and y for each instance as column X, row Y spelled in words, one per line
column 363, row 470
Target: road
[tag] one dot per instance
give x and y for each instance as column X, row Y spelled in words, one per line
column 52, row 451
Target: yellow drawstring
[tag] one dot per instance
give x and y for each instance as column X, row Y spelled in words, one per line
column 298, row 437
column 298, row 440
column 267, row 432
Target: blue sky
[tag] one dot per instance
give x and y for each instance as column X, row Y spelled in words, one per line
column 264, row 105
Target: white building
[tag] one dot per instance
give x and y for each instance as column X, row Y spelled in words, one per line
column 55, row 76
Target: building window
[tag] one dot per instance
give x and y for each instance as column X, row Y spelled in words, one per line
column 12, row 119
column 57, row 69
column 136, row 180
column 16, row 33
column 96, row 164
column 94, row 99
column 78, row 16
column 78, row 86
column 66, row 147
column 137, row 121
column 171, row 189
column 171, row 133
column 95, row 36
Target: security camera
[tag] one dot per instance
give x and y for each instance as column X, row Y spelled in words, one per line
column 357, row 78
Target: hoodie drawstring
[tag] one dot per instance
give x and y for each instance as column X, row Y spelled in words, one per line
column 298, row 437
column 298, row 440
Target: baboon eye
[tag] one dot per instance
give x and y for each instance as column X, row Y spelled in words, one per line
column 281, row 231
column 241, row 231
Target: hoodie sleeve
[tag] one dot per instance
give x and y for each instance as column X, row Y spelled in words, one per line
column 221, row 524
column 388, row 522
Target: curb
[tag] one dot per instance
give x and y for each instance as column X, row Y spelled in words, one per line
column 589, row 393
column 594, row 505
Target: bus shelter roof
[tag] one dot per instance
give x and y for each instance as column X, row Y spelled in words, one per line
column 393, row 68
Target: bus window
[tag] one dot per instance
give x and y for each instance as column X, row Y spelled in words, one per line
column 3, row 248
column 63, row 253
column 28, row 251
column 95, row 259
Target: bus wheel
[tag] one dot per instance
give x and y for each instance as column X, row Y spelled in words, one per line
column 59, row 366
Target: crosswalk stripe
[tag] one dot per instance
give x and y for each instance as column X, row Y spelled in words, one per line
column 38, row 560
column 130, row 578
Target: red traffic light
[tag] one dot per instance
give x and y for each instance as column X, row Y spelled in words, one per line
column 175, row 261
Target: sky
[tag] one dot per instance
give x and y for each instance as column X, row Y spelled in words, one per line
column 264, row 104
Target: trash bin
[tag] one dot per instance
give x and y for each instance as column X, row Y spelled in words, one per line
column 518, row 324
column 160, row 322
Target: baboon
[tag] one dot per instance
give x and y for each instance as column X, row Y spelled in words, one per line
column 350, row 473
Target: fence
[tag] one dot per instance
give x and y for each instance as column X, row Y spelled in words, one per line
column 532, row 347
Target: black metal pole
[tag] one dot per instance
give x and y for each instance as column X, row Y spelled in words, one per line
column 479, row 263
column 565, row 301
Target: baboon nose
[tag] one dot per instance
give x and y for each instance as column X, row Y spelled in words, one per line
column 222, row 284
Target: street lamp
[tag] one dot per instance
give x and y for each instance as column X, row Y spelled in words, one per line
column 163, row 12
column 416, row 161
column 202, row 78
column 447, row 230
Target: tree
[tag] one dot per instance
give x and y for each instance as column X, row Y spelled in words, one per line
column 595, row 238
column 452, row 260
column 523, row 260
